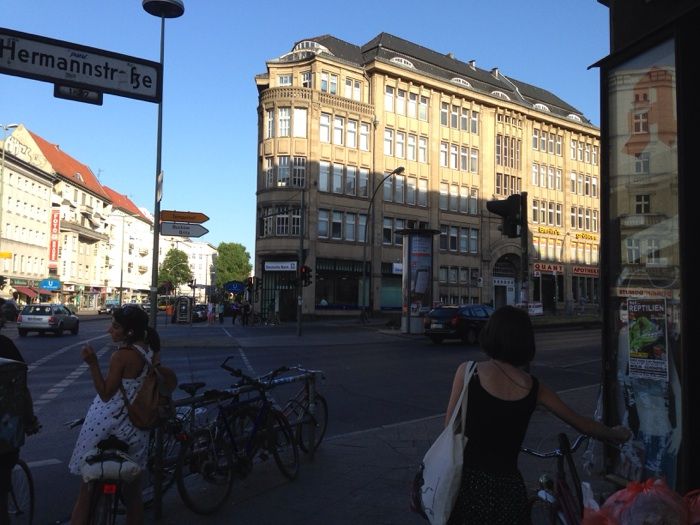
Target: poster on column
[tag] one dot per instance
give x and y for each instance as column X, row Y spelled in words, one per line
column 648, row 344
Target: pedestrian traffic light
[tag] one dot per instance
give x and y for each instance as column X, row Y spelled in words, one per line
column 305, row 275
column 511, row 211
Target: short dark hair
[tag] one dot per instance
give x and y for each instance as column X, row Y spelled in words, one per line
column 508, row 336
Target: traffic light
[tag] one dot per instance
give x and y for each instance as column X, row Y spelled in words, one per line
column 190, row 283
column 511, row 211
column 258, row 283
column 3, row 282
column 305, row 274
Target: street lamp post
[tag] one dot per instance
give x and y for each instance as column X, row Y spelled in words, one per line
column 5, row 129
column 363, row 310
column 162, row 9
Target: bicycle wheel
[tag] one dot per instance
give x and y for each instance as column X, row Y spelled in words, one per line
column 21, row 497
column 103, row 503
column 543, row 512
column 171, row 453
column 318, row 421
column 204, row 473
column 282, row 445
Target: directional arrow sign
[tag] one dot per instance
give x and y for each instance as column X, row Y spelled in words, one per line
column 183, row 216
column 182, row 229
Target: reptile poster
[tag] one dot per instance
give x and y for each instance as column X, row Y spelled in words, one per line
column 648, row 346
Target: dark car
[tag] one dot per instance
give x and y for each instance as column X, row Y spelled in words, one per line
column 199, row 313
column 457, row 322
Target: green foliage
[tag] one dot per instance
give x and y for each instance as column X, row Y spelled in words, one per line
column 232, row 263
column 175, row 268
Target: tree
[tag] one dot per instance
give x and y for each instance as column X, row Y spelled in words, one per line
column 174, row 269
column 232, row 263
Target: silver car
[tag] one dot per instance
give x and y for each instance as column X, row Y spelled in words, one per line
column 42, row 318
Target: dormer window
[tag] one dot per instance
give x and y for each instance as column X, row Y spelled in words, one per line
column 403, row 62
column 500, row 94
column 541, row 107
column 310, row 45
column 461, row 81
column 79, row 177
column 574, row 117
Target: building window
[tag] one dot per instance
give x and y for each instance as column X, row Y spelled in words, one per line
column 350, row 226
column 535, row 139
column 411, row 191
column 324, row 176
column 641, row 163
column 364, row 136
column 325, row 128
column 412, row 108
column 422, row 149
column 350, row 180
column 653, row 251
column 299, row 172
column 642, row 204
column 411, row 149
column 443, row 154
column 338, row 130
column 423, row 192
column 474, row 241
column 283, row 171
column 387, row 230
column 475, row 122
column 337, row 178
column 464, row 120
column 473, row 201
column 454, row 117
column 352, row 134
column 389, row 142
column 400, row 101
column 641, row 122
column 363, row 184
column 453, row 238
column 389, row 98
column 269, row 172
column 400, row 144
column 633, row 253
column 270, row 120
column 399, row 224
column 444, row 112
column 284, row 121
column 362, row 228
column 399, row 183
column 474, row 161
column 444, row 195
column 299, row 122
column 306, row 79
column 423, row 109
column 337, row 225
column 323, row 229
column 284, row 80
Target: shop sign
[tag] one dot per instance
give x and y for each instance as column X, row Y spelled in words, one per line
column 637, row 291
column 548, row 268
column 586, row 270
column 549, row 231
column 397, row 268
column 586, row 236
column 281, row 266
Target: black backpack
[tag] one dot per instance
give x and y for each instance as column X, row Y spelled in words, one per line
column 15, row 404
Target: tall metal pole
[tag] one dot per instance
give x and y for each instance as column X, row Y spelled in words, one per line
column 524, row 244
column 365, row 288
column 121, row 269
column 153, row 312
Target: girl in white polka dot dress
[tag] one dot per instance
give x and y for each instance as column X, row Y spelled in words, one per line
column 107, row 414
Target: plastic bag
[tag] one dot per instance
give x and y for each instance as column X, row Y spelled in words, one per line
column 648, row 503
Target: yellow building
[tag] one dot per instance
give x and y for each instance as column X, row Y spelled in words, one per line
column 335, row 119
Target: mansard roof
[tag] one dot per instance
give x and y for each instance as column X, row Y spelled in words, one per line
column 384, row 47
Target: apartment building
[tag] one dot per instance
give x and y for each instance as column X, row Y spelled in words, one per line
column 336, row 118
column 58, row 224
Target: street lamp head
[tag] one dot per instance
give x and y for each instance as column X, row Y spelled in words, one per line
column 398, row 171
column 8, row 127
column 164, row 8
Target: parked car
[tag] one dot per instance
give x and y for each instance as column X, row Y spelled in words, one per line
column 45, row 317
column 457, row 322
column 199, row 313
column 107, row 308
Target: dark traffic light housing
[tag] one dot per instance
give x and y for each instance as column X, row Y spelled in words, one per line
column 511, row 209
column 3, row 282
column 191, row 283
column 305, row 275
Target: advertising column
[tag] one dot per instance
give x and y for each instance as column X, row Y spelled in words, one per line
column 417, row 282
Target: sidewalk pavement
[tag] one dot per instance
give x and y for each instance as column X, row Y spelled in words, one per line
column 364, row 477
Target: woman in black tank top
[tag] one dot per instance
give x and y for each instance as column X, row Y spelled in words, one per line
column 501, row 400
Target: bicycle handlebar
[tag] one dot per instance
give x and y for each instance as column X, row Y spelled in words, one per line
column 565, row 447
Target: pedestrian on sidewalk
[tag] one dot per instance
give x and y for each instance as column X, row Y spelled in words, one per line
column 220, row 312
column 245, row 313
column 235, row 310
column 492, row 489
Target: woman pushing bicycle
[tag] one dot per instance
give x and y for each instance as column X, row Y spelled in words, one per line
column 501, row 399
column 107, row 415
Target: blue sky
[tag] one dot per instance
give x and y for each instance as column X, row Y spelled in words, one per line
column 213, row 53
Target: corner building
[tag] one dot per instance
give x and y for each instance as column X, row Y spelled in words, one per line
column 334, row 119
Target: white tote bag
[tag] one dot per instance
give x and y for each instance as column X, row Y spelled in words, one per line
column 442, row 464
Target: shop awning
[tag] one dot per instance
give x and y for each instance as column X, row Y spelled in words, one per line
column 26, row 290
column 44, row 291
